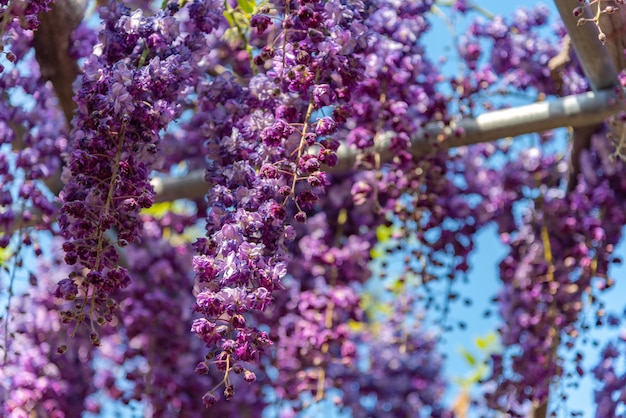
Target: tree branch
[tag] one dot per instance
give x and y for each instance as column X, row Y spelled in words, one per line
column 52, row 42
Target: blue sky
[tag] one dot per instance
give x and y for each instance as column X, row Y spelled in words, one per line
column 483, row 283
column 483, row 280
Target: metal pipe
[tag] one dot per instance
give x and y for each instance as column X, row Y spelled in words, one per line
column 576, row 111
column 191, row 186
column 592, row 55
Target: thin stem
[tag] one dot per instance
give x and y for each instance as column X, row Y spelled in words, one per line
column 101, row 233
column 284, row 46
column 10, row 292
column 305, row 127
column 5, row 21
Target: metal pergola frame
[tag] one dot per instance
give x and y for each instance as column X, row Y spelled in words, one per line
column 580, row 112
column 576, row 111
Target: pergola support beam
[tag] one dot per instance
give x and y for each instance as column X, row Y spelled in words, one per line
column 580, row 110
column 592, row 54
column 576, row 111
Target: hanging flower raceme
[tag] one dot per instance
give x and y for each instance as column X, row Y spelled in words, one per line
column 560, row 252
column 409, row 359
column 127, row 95
column 16, row 17
column 271, row 158
column 34, row 379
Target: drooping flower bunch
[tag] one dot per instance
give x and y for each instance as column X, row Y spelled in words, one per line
column 560, row 251
column 261, row 96
column 560, row 245
column 24, row 12
column 34, row 379
column 309, row 320
column 611, row 380
column 161, row 360
column 17, row 17
column 335, row 246
column 268, row 158
column 314, row 339
column 128, row 94
column 409, row 361
column 511, row 55
column 32, row 144
column 517, row 53
column 417, row 192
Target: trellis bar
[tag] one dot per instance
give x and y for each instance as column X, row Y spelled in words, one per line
column 576, row 111
column 592, row 55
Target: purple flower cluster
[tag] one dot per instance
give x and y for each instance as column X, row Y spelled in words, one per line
column 313, row 60
column 335, row 244
column 330, row 262
column 127, row 95
column 24, row 12
column 397, row 96
column 517, row 56
column 344, row 260
column 18, row 17
column 272, row 292
column 400, row 374
column 32, row 143
column 272, row 154
column 610, row 395
column 314, row 339
column 160, row 363
column 34, row 379
column 398, row 92
column 239, row 266
column 562, row 246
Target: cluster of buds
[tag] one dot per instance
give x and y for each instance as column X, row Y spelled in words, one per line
column 607, row 9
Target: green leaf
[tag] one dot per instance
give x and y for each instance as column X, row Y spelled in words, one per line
column 476, row 376
column 398, row 286
column 382, row 308
column 247, row 6
column 241, row 20
column 486, row 343
column 229, row 18
column 356, row 326
column 383, row 233
column 468, row 356
column 158, row 210
column 5, row 254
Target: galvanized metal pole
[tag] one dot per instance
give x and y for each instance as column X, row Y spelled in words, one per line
column 576, row 111
column 579, row 110
column 593, row 56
